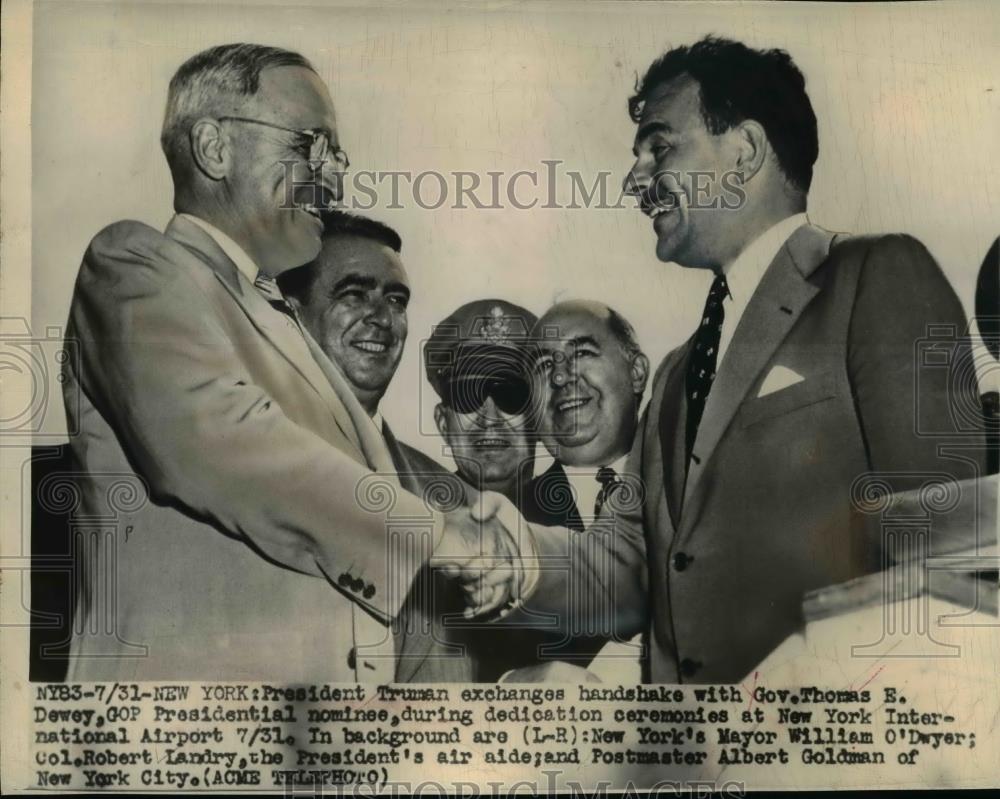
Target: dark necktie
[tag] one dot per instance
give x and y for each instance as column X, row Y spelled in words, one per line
column 704, row 357
column 268, row 286
column 609, row 481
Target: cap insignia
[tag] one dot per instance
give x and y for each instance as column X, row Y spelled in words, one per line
column 497, row 329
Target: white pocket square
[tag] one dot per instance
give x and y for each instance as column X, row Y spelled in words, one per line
column 778, row 378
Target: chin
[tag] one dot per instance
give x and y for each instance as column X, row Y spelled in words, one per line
column 667, row 252
column 304, row 244
column 311, row 249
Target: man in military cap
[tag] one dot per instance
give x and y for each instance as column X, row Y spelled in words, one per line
column 478, row 360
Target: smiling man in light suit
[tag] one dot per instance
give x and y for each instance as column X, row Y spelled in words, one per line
column 251, row 549
column 799, row 379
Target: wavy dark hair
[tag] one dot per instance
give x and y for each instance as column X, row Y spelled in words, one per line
column 298, row 282
column 738, row 83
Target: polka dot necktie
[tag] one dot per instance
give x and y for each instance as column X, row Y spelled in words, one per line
column 704, row 357
column 609, row 480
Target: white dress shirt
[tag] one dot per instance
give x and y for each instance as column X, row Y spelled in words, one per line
column 744, row 275
column 583, row 481
column 616, row 662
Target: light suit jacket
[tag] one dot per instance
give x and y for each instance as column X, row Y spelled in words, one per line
column 231, row 527
column 765, row 513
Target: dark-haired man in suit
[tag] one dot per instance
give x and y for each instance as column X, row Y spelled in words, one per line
column 800, row 378
column 353, row 300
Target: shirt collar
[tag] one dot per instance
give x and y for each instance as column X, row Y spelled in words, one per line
column 233, row 251
column 590, row 472
column 745, row 273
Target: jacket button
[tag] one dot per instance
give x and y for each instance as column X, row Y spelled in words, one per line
column 682, row 560
column 369, row 591
column 344, row 581
column 689, row 667
column 357, row 584
column 352, row 659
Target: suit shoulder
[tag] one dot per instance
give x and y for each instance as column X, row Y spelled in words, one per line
column 897, row 253
column 900, row 280
column 131, row 253
column 126, row 237
column 888, row 264
column 131, row 242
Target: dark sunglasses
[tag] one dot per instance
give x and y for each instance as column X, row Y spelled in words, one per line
column 465, row 395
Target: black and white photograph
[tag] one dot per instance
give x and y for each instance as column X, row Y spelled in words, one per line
column 495, row 397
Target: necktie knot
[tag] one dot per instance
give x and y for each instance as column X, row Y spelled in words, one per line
column 609, row 480
column 720, row 287
column 606, row 476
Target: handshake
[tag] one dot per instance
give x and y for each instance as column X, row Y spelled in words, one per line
column 479, row 550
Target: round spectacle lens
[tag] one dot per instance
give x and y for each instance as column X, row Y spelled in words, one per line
column 319, row 148
column 322, row 151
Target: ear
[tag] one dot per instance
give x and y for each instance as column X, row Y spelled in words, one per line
column 210, row 148
column 753, row 148
column 441, row 420
column 640, row 374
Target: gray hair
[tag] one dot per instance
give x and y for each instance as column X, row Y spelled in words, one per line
column 226, row 72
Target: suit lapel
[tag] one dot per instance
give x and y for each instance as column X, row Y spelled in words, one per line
column 561, row 484
column 405, row 469
column 369, row 437
column 663, row 445
column 284, row 337
column 775, row 307
column 412, row 648
column 672, row 428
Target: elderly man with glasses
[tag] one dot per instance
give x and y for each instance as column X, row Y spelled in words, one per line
column 248, row 549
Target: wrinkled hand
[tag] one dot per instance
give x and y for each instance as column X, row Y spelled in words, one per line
column 479, row 551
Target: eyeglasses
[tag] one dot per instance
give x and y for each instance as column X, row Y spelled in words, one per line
column 320, row 148
column 465, row 395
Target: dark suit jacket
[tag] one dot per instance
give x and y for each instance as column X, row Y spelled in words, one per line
column 765, row 513
column 435, row 643
column 548, row 500
column 428, row 647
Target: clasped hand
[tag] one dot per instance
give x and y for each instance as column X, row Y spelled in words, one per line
column 478, row 549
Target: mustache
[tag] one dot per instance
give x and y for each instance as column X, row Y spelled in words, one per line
column 656, row 196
